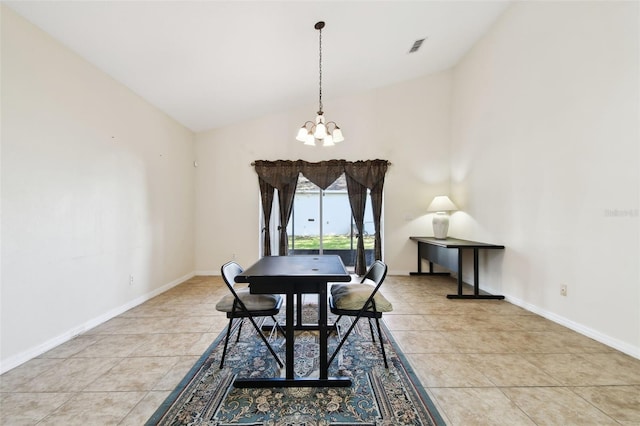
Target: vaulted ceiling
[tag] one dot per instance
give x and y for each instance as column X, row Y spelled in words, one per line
column 212, row 63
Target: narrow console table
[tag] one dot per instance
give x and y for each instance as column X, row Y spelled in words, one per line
column 448, row 253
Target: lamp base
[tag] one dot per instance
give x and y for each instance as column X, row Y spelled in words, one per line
column 440, row 225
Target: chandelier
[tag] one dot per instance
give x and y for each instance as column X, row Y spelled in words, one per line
column 321, row 131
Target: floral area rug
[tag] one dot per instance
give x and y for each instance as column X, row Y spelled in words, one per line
column 377, row 397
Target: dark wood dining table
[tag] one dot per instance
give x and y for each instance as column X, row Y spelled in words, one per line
column 294, row 276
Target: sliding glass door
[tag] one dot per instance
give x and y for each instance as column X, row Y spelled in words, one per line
column 321, row 222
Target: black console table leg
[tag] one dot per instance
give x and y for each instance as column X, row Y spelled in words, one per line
column 459, row 272
column 430, row 266
column 476, row 283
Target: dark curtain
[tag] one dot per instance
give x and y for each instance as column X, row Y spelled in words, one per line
column 371, row 174
column 368, row 175
column 283, row 176
column 266, row 195
column 376, row 206
column 358, row 202
column 360, row 175
column 285, row 198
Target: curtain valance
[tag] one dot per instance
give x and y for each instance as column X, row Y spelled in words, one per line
column 280, row 173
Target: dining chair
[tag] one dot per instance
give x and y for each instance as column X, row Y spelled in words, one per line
column 360, row 300
column 242, row 304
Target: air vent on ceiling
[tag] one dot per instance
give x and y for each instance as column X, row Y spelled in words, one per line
column 416, row 45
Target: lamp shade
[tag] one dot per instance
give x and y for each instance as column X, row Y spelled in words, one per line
column 441, row 203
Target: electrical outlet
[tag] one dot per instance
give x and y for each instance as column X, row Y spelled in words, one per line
column 563, row 290
column 130, row 279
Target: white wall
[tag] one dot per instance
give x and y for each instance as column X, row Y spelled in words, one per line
column 97, row 186
column 545, row 146
column 407, row 124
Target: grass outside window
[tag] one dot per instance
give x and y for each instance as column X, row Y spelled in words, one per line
column 329, row 242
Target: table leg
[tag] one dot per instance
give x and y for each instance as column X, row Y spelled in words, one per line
column 298, row 310
column 322, row 324
column 431, row 272
column 290, row 330
column 476, row 281
column 290, row 380
column 459, row 272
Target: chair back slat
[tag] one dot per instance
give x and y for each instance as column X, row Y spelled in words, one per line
column 229, row 272
column 376, row 273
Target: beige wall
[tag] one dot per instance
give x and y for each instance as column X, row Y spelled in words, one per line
column 97, row 186
column 545, row 146
column 407, row 124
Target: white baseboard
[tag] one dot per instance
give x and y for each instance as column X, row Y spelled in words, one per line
column 207, row 273
column 624, row 347
column 619, row 345
column 38, row 350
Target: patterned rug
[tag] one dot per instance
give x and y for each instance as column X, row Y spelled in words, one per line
column 378, row 397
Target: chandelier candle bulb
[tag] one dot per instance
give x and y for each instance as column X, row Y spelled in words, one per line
column 337, row 135
column 321, row 131
column 302, row 134
column 309, row 139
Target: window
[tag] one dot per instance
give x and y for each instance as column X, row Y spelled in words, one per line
column 321, row 222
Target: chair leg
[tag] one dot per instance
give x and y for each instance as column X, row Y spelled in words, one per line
column 239, row 330
column 373, row 337
column 334, row 327
column 226, row 343
column 353, row 324
column 266, row 342
column 384, row 355
column 278, row 326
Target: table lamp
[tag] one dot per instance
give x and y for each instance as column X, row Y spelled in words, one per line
column 441, row 205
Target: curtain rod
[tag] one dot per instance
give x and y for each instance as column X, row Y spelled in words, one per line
column 253, row 163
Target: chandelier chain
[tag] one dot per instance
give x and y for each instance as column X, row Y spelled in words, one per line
column 320, row 68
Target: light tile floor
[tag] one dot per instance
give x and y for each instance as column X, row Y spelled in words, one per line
column 482, row 362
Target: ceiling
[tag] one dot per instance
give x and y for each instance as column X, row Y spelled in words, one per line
column 212, row 63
